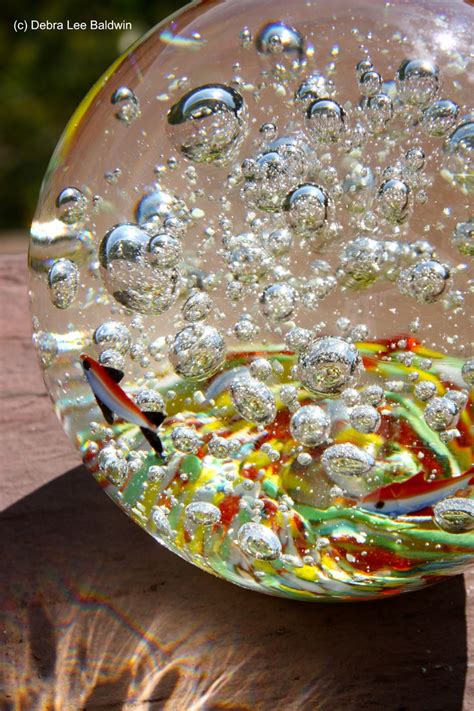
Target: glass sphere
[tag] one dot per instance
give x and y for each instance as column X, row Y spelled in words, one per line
column 252, row 285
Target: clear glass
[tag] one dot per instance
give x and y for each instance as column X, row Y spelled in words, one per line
column 260, row 217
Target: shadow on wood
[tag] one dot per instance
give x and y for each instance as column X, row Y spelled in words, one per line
column 97, row 615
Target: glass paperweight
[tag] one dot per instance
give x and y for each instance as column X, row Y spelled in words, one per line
column 252, row 291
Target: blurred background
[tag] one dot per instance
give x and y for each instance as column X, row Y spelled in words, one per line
column 45, row 76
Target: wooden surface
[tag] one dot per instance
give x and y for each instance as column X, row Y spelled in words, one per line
column 96, row 615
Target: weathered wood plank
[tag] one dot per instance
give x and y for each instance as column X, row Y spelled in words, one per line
column 95, row 615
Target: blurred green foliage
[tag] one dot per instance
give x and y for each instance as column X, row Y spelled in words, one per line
column 45, row 75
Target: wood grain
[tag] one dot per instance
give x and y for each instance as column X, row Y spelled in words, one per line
column 95, row 615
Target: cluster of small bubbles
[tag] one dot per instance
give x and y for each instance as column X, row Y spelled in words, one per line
column 113, row 465
column 441, row 413
column 365, row 418
column 454, row 301
column 63, row 282
column 415, row 159
column 350, row 397
column 345, row 464
column 47, row 347
column 177, row 224
column 439, row 117
column 278, row 301
column 314, row 87
column 113, row 335
column 459, row 397
column 71, row 204
column 359, row 332
column 272, row 454
column 463, row 237
column 325, row 121
column 259, row 541
column 425, row 363
column 417, row 82
column 129, row 273
column 137, row 351
column 282, row 273
column 365, row 65
column 459, row 152
column 234, row 290
column 297, row 338
column 454, row 515
column 396, row 386
column 289, row 396
column 253, row 400
column 128, row 106
column 358, row 135
column 361, row 262
column 425, row 281
column 343, row 324
column 200, row 279
column 393, row 170
column 112, row 359
column 277, row 38
column 203, row 513
column 208, row 123
column 245, row 329
column 294, row 152
column 137, row 323
column 378, row 111
column 310, row 425
column 328, row 174
column 135, row 462
column 159, row 516
column 405, row 358
column 197, row 351
column 165, row 251
column 393, row 200
column 329, row 365
column 223, row 448
column 186, row 439
column 370, row 83
column 317, row 289
column 468, row 372
column 425, row 390
column 261, row 369
column 320, row 286
column 156, row 474
column 150, row 400
column 157, row 210
column 279, row 242
column 306, row 208
column 358, row 188
column 271, row 174
column 196, row 307
column 246, row 257
column 419, row 250
column 373, row 395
